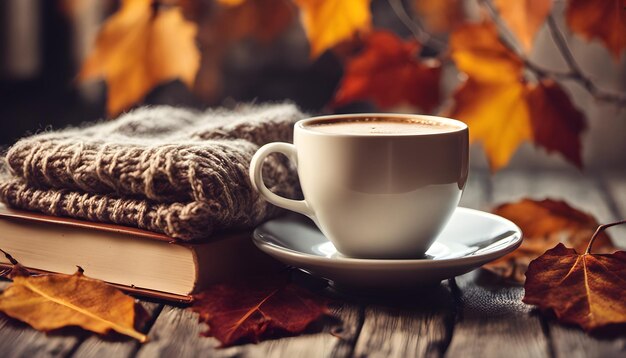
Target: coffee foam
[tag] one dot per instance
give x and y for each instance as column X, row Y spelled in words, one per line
column 380, row 126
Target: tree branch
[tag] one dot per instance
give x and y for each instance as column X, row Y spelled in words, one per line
column 575, row 73
column 416, row 28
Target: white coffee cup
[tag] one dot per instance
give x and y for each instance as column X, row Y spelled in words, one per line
column 376, row 194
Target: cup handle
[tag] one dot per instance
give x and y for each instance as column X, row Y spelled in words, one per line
column 256, row 177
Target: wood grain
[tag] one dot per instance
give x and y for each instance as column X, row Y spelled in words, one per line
column 413, row 324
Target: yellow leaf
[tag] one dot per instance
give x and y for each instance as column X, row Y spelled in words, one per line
column 50, row 302
column 497, row 115
column 478, row 52
column 139, row 48
column 328, row 22
column 524, row 17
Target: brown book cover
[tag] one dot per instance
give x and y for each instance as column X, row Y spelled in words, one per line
column 226, row 257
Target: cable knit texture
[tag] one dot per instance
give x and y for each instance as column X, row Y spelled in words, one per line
column 176, row 171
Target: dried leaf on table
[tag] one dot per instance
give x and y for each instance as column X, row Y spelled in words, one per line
column 49, row 302
column 252, row 310
column 388, row 72
column 140, row 47
column 329, row 22
column 524, row 17
column 584, row 289
column 604, row 20
column 544, row 224
column 502, row 109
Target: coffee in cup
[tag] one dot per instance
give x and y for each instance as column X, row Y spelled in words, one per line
column 377, row 185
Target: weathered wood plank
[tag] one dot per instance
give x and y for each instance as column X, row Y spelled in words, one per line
column 95, row 346
column 176, row 332
column 413, row 325
column 586, row 193
column 20, row 340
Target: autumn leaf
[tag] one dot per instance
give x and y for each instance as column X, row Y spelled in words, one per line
column 524, row 17
column 49, row 302
column 478, row 52
column 260, row 19
column 389, row 72
column 329, row 22
column 255, row 309
column 604, row 20
column 544, row 224
column 440, row 15
column 140, row 47
column 557, row 124
column 584, row 289
column 502, row 109
column 492, row 100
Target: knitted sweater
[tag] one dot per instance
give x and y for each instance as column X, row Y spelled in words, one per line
column 170, row 170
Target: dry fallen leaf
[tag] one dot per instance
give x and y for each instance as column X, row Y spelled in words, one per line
column 584, row 289
column 604, row 20
column 139, row 47
column 545, row 223
column 557, row 124
column 50, row 302
column 524, row 17
column 501, row 108
column 440, row 15
column 255, row 309
column 389, row 72
column 329, row 22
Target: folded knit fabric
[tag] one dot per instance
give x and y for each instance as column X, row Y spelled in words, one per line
column 176, row 171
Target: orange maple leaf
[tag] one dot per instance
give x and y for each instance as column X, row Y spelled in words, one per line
column 440, row 15
column 501, row 108
column 389, row 72
column 524, row 17
column 329, row 22
column 605, row 20
column 545, row 223
column 584, row 289
column 140, row 47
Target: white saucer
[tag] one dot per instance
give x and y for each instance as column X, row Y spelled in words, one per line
column 471, row 239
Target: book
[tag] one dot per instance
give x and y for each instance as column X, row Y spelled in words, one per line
column 137, row 261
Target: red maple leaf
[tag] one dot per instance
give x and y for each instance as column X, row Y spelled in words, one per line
column 389, row 72
column 251, row 310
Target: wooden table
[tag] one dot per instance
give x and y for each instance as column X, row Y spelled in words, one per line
column 472, row 315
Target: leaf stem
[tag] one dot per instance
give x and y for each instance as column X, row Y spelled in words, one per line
column 9, row 257
column 599, row 230
column 416, row 28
